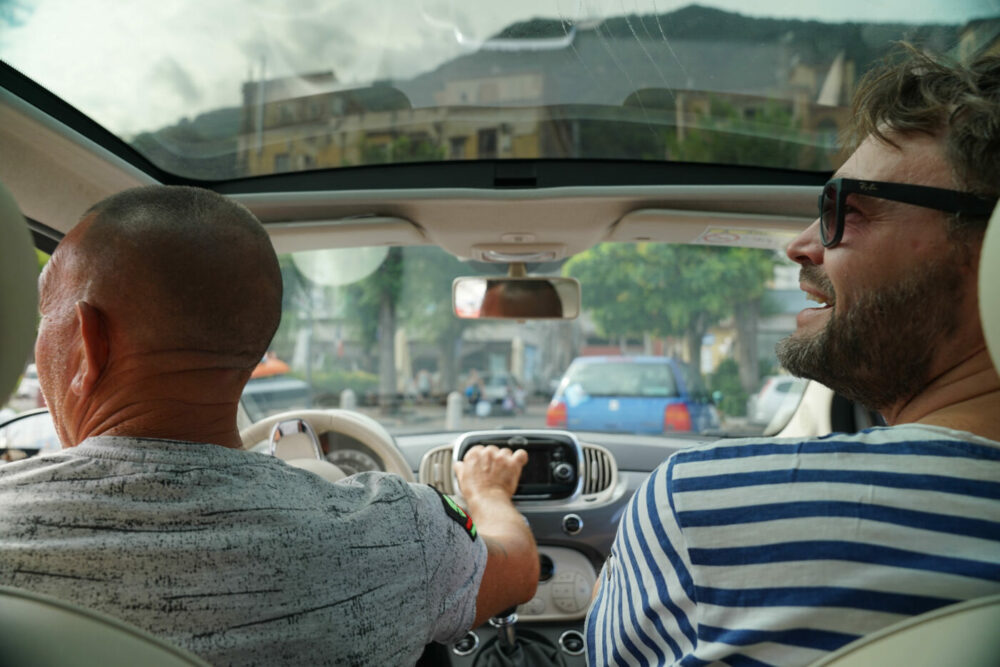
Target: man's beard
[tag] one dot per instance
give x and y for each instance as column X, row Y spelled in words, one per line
column 879, row 352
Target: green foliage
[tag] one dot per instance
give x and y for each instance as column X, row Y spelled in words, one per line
column 726, row 379
column 417, row 282
column 327, row 385
column 401, row 149
column 666, row 290
column 365, row 298
column 727, row 136
column 621, row 140
column 427, row 294
column 294, row 307
column 861, row 42
column 202, row 148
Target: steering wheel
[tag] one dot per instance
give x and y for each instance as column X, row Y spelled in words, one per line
column 354, row 424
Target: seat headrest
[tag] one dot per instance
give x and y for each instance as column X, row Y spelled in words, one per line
column 989, row 287
column 18, row 293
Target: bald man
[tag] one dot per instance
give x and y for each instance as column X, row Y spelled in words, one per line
column 530, row 298
column 155, row 309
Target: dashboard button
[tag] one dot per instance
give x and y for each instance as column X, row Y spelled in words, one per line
column 571, row 642
column 534, row 606
column 562, row 590
column 563, row 472
column 568, row 605
column 572, row 524
column 467, row 644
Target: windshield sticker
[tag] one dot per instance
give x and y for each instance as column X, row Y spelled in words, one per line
column 746, row 238
column 575, row 394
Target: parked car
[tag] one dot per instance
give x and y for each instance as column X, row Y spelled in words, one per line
column 778, row 397
column 633, row 394
column 27, row 434
column 496, row 386
column 28, row 387
column 264, row 396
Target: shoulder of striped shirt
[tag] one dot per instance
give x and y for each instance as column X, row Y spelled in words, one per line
column 879, row 435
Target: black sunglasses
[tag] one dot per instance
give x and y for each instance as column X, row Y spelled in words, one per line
column 833, row 200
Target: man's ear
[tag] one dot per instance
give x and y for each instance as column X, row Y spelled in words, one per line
column 95, row 348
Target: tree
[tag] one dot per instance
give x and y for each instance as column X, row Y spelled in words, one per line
column 201, row 148
column 429, row 310
column 401, row 149
column 413, row 287
column 671, row 290
column 372, row 304
column 728, row 136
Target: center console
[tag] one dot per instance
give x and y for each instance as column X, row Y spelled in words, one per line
column 553, row 470
column 571, row 495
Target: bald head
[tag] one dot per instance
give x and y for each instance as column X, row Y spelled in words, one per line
column 177, row 269
column 507, row 297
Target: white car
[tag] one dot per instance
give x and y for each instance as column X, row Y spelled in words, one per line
column 777, row 399
column 28, row 387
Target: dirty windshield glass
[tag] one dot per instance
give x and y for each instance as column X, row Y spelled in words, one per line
column 243, row 88
column 372, row 329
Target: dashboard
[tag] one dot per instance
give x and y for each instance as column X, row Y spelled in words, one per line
column 349, row 454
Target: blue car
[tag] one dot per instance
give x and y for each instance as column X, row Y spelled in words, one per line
column 631, row 394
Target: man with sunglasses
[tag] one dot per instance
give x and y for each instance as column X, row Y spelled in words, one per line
column 766, row 551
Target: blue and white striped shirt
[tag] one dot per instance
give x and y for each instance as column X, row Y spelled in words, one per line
column 777, row 551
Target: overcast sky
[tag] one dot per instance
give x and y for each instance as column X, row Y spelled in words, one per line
column 137, row 65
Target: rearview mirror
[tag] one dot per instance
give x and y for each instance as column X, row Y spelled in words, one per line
column 518, row 298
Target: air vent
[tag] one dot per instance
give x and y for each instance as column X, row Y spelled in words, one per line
column 598, row 469
column 435, row 469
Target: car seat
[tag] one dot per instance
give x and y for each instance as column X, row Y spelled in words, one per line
column 18, row 293
column 964, row 633
column 42, row 631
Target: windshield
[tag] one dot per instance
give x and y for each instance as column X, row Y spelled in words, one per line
column 238, row 88
column 688, row 329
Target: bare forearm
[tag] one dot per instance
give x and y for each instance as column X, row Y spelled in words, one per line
column 488, row 477
column 511, row 575
column 496, row 517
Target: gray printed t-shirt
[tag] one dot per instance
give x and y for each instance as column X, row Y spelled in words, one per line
column 238, row 557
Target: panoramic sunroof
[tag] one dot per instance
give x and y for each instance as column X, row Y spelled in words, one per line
column 233, row 89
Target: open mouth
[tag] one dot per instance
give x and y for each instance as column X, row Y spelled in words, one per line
column 825, row 302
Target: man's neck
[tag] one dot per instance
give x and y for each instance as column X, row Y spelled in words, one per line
column 171, row 401
column 167, row 420
column 965, row 398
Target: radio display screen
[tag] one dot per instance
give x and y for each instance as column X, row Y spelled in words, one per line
column 552, row 470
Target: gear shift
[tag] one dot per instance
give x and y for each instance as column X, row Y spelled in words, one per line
column 530, row 649
column 504, row 623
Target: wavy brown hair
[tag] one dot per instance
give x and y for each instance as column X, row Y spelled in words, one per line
column 915, row 91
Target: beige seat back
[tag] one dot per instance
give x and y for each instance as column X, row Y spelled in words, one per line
column 989, row 287
column 960, row 634
column 18, row 293
column 42, row 631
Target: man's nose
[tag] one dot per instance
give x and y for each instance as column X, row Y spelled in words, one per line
column 807, row 246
